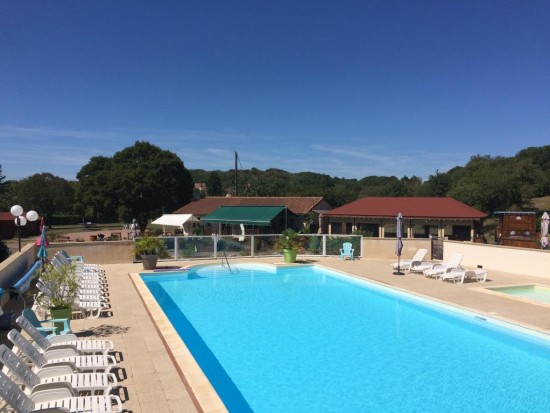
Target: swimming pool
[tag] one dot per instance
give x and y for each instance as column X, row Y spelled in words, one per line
column 530, row 292
column 309, row 339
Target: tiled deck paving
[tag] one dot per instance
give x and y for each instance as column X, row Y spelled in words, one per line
column 149, row 381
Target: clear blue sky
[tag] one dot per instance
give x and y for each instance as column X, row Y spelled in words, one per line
column 346, row 88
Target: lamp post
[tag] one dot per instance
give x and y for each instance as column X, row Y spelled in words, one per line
column 20, row 220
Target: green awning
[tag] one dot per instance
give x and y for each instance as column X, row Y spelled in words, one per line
column 247, row 215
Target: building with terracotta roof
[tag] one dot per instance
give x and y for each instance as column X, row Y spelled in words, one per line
column 254, row 212
column 8, row 229
column 423, row 217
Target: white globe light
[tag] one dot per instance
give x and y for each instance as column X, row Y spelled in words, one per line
column 16, row 210
column 22, row 221
column 32, row 215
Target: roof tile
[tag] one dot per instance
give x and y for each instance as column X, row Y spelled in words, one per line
column 410, row 207
column 207, row 205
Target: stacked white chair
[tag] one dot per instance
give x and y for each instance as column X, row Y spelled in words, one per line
column 82, row 346
column 83, row 363
column 93, row 383
column 62, row 397
column 93, row 296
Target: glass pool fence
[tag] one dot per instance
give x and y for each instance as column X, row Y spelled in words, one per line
column 196, row 247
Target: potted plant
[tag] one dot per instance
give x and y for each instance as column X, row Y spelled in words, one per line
column 289, row 243
column 149, row 249
column 60, row 287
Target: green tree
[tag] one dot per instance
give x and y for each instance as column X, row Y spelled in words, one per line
column 4, row 251
column 309, row 184
column 46, row 193
column 214, row 184
column 4, row 190
column 488, row 184
column 539, row 156
column 412, row 185
column 96, row 192
column 342, row 192
column 437, row 184
column 142, row 181
column 273, row 182
column 382, row 186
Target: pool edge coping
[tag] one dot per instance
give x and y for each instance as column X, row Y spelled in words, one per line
column 204, row 396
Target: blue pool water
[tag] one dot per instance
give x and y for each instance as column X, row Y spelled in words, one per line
column 306, row 339
column 531, row 292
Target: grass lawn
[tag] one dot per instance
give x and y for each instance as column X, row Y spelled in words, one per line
column 542, row 204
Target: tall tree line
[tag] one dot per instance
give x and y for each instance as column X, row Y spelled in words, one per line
column 144, row 181
column 486, row 183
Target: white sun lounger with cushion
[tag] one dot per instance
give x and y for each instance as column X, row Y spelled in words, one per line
column 415, row 260
column 443, row 268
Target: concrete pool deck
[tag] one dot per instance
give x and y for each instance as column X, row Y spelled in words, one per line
column 150, row 381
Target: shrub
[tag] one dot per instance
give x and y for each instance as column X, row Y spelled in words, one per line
column 61, row 286
column 4, row 251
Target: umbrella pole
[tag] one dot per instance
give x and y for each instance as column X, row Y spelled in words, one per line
column 399, row 245
column 398, row 272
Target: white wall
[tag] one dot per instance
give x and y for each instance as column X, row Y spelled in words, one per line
column 533, row 262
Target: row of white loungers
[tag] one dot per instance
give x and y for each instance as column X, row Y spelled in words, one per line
column 445, row 271
column 49, row 368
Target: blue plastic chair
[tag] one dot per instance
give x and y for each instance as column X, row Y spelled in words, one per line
column 46, row 331
column 346, row 251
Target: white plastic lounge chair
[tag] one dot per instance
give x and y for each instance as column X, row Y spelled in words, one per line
column 458, row 275
column 415, row 260
column 90, row 306
column 92, row 363
column 443, row 268
column 422, row 266
column 78, row 260
column 479, row 274
column 46, row 396
column 82, row 346
column 81, row 382
column 91, row 309
column 87, row 289
column 80, row 269
column 87, row 295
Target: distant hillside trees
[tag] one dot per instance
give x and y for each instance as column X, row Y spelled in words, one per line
column 142, row 182
column 485, row 182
